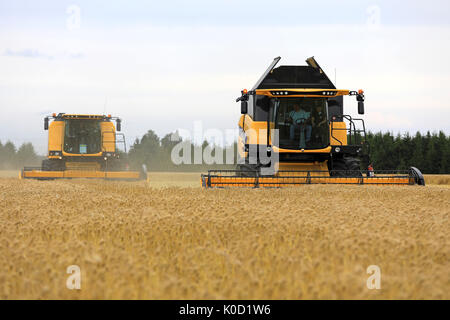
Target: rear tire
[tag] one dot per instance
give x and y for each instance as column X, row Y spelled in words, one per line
column 346, row 167
column 46, row 165
column 52, row 165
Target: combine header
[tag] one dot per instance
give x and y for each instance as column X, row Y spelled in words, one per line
column 226, row 178
column 293, row 131
column 83, row 146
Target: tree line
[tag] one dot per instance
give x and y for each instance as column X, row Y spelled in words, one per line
column 429, row 152
column 12, row 158
column 158, row 154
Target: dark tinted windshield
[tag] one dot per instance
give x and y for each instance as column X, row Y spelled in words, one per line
column 302, row 122
column 82, row 136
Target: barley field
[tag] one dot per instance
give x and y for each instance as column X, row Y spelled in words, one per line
column 169, row 239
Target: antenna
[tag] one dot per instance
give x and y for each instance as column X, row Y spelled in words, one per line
column 335, row 77
column 104, row 107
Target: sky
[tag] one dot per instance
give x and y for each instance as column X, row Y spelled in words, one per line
column 165, row 65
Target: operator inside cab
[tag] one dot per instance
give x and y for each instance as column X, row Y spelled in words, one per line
column 319, row 120
column 300, row 122
column 82, row 136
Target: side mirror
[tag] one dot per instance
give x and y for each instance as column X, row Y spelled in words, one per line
column 118, row 125
column 361, row 107
column 244, row 107
column 46, row 123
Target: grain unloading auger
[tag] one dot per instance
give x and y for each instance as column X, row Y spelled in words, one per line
column 293, row 131
column 83, row 146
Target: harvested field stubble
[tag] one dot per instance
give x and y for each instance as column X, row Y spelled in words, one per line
column 134, row 241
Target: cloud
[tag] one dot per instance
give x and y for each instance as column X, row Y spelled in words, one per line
column 78, row 55
column 36, row 54
column 27, row 53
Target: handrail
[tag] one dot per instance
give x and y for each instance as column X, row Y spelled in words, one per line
column 354, row 135
column 115, row 141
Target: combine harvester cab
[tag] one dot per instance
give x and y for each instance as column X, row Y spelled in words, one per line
column 293, row 131
column 83, row 146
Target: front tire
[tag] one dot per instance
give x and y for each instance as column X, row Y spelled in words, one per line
column 247, row 170
column 346, row 167
column 52, row 165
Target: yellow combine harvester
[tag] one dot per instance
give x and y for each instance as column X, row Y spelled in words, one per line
column 293, row 131
column 83, row 146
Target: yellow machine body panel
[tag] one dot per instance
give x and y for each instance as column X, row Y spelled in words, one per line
column 281, row 150
column 55, row 137
column 87, row 155
column 338, row 133
column 256, row 131
column 108, row 136
column 297, row 180
column 302, row 93
column 39, row 174
column 289, row 169
column 85, row 165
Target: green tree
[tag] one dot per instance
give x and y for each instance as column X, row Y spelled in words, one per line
column 146, row 151
column 26, row 156
column 1, row 155
column 168, row 142
column 417, row 158
column 9, row 155
column 444, row 162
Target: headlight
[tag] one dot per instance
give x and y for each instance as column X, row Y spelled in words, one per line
column 337, row 149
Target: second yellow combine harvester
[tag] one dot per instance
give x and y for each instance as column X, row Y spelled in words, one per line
column 83, row 146
column 293, row 131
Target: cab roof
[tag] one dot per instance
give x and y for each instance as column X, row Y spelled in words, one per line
column 81, row 116
column 310, row 76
